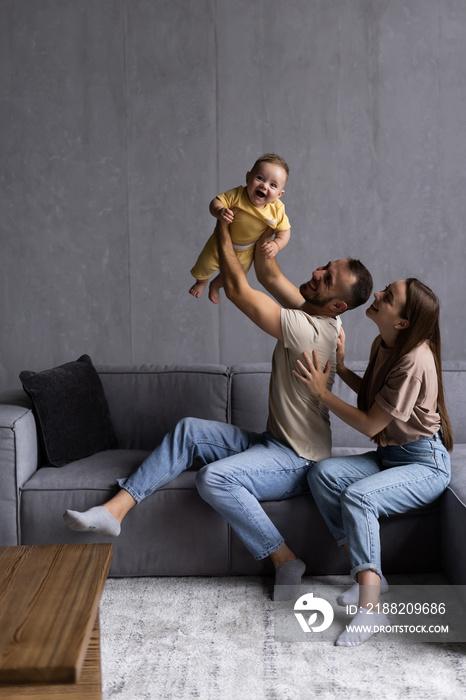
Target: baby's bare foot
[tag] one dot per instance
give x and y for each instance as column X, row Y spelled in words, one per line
column 214, row 290
column 197, row 288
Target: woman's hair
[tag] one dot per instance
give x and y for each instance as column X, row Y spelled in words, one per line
column 422, row 312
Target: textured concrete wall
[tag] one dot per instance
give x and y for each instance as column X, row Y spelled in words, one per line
column 121, row 119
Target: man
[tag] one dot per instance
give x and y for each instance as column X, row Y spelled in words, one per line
column 298, row 429
column 244, row 468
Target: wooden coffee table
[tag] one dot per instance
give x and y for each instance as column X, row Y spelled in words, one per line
column 49, row 623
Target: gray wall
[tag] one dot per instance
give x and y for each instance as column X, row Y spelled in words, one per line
column 121, row 119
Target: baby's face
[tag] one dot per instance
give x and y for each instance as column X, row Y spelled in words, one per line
column 265, row 184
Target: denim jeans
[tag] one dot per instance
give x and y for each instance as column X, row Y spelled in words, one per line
column 242, row 469
column 353, row 492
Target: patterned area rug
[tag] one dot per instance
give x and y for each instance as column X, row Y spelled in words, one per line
column 213, row 638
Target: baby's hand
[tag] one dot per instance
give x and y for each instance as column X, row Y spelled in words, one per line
column 225, row 215
column 270, row 249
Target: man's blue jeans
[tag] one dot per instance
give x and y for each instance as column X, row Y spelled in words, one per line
column 242, row 469
column 353, row 492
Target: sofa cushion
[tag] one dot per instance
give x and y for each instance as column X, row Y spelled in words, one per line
column 173, row 532
column 71, row 411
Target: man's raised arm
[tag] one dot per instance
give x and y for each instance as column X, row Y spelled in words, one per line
column 259, row 307
column 274, row 281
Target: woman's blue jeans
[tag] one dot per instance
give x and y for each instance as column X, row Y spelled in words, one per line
column 353, row 492
column 242, row 469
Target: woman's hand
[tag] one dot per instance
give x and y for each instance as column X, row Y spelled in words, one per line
column 341, row 350
column 312, row 375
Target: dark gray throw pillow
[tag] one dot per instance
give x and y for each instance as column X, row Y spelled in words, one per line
column 71, row 410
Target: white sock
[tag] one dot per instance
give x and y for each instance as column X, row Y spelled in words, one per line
column 351, row 596
column 363, row 625
column 288, row 579
column 96, row 519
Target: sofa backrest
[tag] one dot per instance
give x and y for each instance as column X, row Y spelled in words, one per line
column 146, row 401
column 454, row 384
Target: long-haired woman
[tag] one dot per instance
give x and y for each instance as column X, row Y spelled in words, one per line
column 401, row 406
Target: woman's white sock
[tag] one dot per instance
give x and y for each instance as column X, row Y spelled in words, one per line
column 363, row 625
column 351, row 596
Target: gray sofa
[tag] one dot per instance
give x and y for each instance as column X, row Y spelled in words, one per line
column 174, row 532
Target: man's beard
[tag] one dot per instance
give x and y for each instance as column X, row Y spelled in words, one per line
column 316, row 300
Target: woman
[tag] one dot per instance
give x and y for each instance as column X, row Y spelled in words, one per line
column 401, row 406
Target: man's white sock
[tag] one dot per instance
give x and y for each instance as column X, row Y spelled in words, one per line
column 96, row 519
column 288, row 579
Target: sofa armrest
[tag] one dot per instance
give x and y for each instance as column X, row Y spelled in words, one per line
column 18, row 461
column 453, row 520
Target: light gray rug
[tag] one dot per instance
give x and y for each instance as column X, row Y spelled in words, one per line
column 213, row 638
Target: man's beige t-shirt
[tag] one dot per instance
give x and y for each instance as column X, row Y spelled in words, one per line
column 409, row 393
column 295, row 417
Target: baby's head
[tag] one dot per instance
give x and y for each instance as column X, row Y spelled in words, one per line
column 266, row 181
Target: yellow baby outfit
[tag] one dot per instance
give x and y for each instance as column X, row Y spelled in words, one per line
column 248, row 225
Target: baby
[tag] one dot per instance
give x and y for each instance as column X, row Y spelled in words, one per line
column 257, row 210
